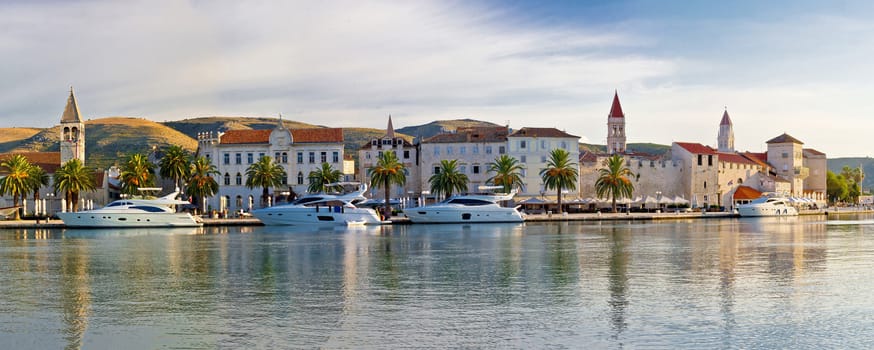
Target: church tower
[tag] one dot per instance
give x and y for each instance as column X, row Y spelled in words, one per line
column 72, row 132
column 616, row 127
column 725, row 139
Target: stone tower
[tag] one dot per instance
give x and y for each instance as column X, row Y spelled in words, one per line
column 616, row 127
column 725, row 139
column 72, row 132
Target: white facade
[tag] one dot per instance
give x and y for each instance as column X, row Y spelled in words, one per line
column 531, row 146
column 298, row 151
column 474, row 148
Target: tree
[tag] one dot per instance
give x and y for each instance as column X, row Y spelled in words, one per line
column 38, row 178
column 136, row 172
column 265, row 174
column 560, row 173
column 175, row 164
column 507, row 172
column 448, row 179
column 200, row 181
column 72, row 178
column 17, row 181
column 836, row 187
column 853, row 177
column 614, row 180
column 323, row 176
column 388, row 170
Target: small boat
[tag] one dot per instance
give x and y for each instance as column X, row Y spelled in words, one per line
column 133, row 212
column 322, row 209
column 466, row 208
column 767, row 206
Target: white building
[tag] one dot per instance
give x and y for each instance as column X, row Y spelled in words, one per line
column 531, row 146
column 407, row 154
column 298, row 151
column 473, row 147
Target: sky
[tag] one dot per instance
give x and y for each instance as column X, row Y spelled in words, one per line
column 799, row 67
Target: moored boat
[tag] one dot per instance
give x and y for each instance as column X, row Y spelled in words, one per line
column 767, row 206
column 322, row 209
column 133, row 212
column 466, row 208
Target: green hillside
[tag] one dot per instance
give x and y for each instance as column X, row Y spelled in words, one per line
column 436, row 127
column 193, row 126
column 867, row 163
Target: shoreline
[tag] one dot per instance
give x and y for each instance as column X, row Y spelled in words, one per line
column 58, row 224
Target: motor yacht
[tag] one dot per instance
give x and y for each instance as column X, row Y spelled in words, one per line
column 133, row 212
column 322, row 209
column 767, row 206
column 466, row 208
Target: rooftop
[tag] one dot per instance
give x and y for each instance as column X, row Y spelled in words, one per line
column 540, row 132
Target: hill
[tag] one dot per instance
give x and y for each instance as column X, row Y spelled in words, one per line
column 438, row 126
column 836, row 164
column 193, row 126
column 648, row 148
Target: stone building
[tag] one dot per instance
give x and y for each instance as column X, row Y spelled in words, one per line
column 473, row 147
column 531, row 146
column 298, row 151
column 406, row 152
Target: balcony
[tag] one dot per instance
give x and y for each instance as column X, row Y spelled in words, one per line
column 802, row 172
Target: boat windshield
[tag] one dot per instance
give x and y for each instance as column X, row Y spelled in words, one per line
column 117, row 204
column 468, row 201
column 147, row 208
column 306, row 200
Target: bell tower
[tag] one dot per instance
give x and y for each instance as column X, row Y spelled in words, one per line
column 72, row 132
column 616, row 127
column 725, row 139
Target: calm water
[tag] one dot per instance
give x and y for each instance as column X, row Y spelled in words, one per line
column 765, row 283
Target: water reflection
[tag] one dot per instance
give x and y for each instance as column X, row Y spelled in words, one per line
column 618, row 278
column 75, row 292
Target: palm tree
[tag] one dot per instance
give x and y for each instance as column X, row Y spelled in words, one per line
column 72, row 178
column 136, row 172
column 201, row 183
column 265, row 174
column 507, row 173
column 388, row 170
column 323, row 176
column 614, row 180
column 17, row 181
column 38, row 178
column 175, row 164
column 560, row 173
column 448, row 179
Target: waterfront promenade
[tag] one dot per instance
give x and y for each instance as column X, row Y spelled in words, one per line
column 397, row 220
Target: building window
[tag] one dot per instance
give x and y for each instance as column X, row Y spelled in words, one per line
column 312, row 157
column 700, row 160
column 323, row 157
column 462, row 169
column 474, row 149
column 543, row 144
column 522, row 144
column 284, row 157
column 475, row 169
column 260, row 155
column 543, row 159
column 299, row 178
column 436, row 170
column 462, row 150
column 276, row 157
column 366, row 155
column 709, row 160
column 406, row 154
column 239, row 179
column 502, row 150
column 523, row 159
column 227, row 159
column 300, row 157
column 285, row 180
column 250, row 158
column 705, row 187
column 227, row 179
column 785, row 155
column 564, row 145
column 488, row 149
column 448, row 150
column 238, row 158
column 335, row 157
column 436, row 150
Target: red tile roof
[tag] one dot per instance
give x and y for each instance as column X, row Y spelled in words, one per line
column 616, row 108
column 320, row 135
column 246, row 136
column 48, row 161
column 735, row 158
column 813, row 152
column 540, row 132
column 760, row 158
column 696, row 148
column 746, row 192
column 588, row 157
column 471, row 134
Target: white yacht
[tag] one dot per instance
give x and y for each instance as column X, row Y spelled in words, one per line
column 466, row 208
column 133, row 212
column 322, row 209
column 767, row 206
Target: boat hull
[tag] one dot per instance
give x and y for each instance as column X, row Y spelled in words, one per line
column 434, row 215
column 295, row 215
column 121, row 220
column 761, row 211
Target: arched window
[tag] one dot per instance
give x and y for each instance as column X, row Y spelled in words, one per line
column 705, row 184
column 300, row 178
column 284, row 157
column 239, row 179
column 251, row 201
column 227, row 179
column 66, row 134
column 75, row 134
column 740, row 181
column 239, row 202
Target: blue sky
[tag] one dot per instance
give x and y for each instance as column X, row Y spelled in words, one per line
column 800, row 67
